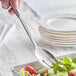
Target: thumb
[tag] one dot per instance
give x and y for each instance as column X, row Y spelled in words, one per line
column 16, row 3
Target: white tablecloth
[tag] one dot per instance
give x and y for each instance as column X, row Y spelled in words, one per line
column 50, row 7
column 18, row 49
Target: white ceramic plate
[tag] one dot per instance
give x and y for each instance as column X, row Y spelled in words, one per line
column 36, row 64
column 66, row 33
column 54, row 43
column 57, row 23
column 58, row 40
column 57, row 35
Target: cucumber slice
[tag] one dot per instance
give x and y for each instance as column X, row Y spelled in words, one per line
column 50, row 72
column 42, row 70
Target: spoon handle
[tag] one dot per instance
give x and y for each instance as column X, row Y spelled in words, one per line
column 25, row 25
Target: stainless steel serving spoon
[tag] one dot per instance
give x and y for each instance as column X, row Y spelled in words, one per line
column 43, row 55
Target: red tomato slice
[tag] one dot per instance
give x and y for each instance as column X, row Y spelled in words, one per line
column 72, row 74
column 31, row 70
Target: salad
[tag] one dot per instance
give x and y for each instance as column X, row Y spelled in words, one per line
column 63, row 67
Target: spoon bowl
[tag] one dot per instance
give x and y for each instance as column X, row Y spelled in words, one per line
column 44, row 56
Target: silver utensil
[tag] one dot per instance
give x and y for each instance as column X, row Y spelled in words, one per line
column 72, row 18
column 43, row 55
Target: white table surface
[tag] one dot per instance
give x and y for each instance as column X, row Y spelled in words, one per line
column 17, row 48
column 46, row 7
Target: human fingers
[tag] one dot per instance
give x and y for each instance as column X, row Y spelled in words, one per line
column 5, row 4
column 11, row 11
column 16, row 3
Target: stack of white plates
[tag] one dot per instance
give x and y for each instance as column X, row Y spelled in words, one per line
column 58, row 30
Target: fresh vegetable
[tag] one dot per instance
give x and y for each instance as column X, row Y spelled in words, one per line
column 22, row 72
column 45, row 73
column 74, row 60
column 72, row 74
column 31, row 70
column 42, row 70
column 63, row 67
column 26, row 73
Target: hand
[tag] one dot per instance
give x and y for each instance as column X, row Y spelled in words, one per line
column 6, row 4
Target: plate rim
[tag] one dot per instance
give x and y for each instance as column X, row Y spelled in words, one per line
column 41, row 21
